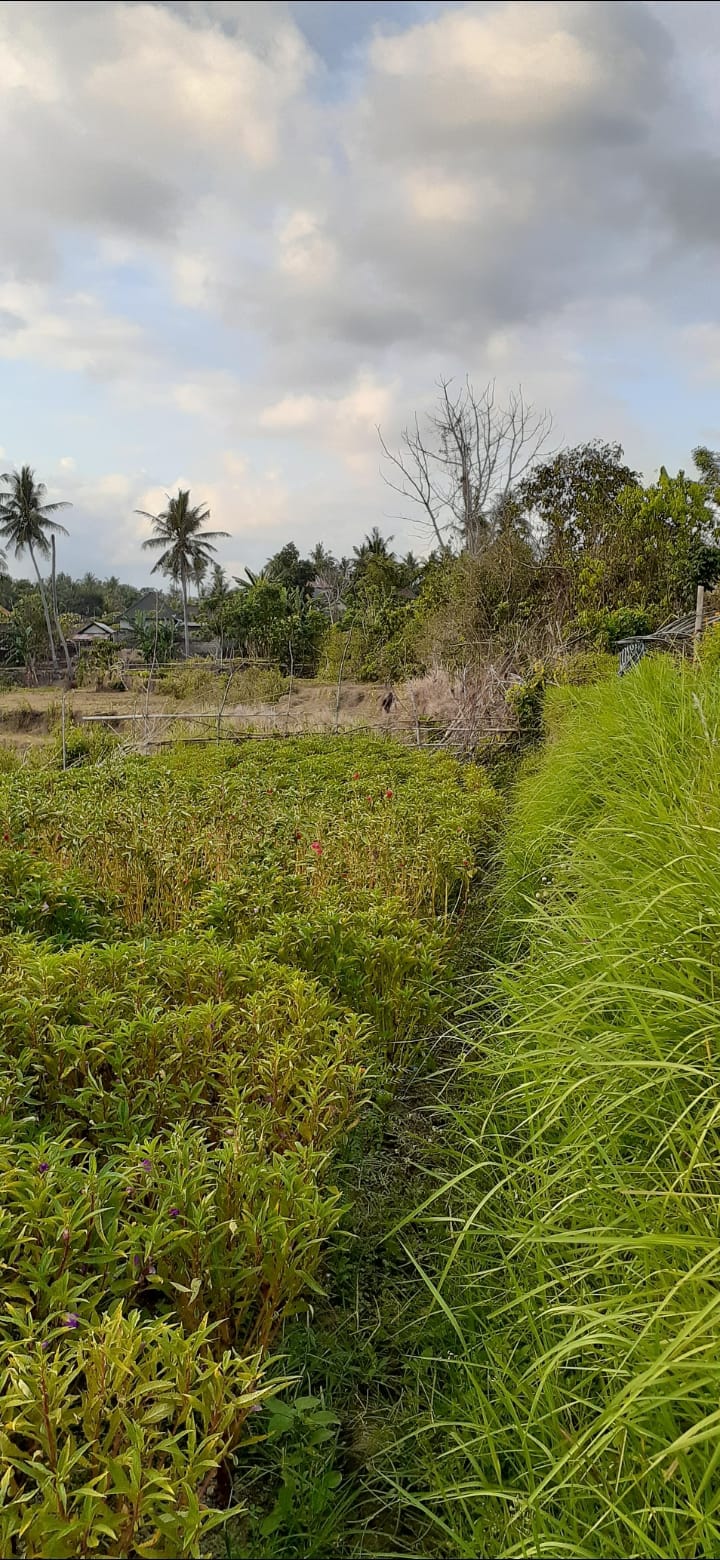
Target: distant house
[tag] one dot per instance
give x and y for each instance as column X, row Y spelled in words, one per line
column 151, row 604
column 94, row 633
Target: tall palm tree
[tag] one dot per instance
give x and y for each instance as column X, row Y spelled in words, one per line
column 26, row 524
column 186, row 547
column 374, row 545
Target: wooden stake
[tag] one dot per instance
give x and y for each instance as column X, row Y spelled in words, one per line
column 699, row 606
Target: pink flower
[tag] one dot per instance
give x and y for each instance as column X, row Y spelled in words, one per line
column 317, row 847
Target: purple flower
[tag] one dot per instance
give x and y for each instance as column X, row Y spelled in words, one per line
column 174, row 1213
column 72, row 1319
column 45, row 1345
column 136, row 1261
column 43, row 1166
column 146, row 1164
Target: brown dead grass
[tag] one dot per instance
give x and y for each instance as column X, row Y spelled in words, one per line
column 30, row 717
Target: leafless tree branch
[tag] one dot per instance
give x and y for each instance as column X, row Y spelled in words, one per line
column 462, row 471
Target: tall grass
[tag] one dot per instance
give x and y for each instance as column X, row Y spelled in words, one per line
column 576, row 1407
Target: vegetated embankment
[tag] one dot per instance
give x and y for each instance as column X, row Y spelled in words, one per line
column 575, row 1407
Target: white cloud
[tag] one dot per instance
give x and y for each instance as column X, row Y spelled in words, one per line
column 346, row 424
column 307, row 254
column 71, row 331
column 252, row 262
column 516, row 64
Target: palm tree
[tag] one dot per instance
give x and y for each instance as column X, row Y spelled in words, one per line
column 26, row 524
column 186, row 547
column 321, row 558
column 374, row 545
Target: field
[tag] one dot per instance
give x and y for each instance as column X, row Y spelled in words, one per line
column 570, row 1406
column 210, row 959
column 217, row 963
column 255, row 699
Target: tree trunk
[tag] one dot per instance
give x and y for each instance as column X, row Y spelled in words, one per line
column 43, row 598
column 183, row 585
column 58, row 624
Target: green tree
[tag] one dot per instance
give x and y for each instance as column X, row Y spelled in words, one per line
column 27, row 631
column 117, row 597
column 663, row 544
column 256, row 617
column 215, row 606
column 186, row 547
column 26, row 524
column 155, row 637
column 571, row 499
column 287, row 568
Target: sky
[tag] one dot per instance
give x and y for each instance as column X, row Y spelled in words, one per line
column 239, row 237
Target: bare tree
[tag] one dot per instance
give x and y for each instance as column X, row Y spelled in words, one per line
column 331, row 586
column 461, row 470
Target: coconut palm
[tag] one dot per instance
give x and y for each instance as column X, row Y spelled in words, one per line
column 186, row 547
column 374, row 545
column 26, row 524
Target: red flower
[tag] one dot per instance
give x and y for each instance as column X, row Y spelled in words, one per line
column 356, row 774
column 389, row 795
column 317, row 847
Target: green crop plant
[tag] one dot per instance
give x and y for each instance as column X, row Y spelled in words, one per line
column 206, row 959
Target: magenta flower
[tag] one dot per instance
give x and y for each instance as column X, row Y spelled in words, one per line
column 146, row 1164
column 317, row 847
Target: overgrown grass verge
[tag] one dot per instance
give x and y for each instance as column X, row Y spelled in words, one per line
column 570, row 1406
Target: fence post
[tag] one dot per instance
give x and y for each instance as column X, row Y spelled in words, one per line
column 699, row 606
column 346, row 647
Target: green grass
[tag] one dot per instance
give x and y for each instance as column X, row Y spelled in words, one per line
column 572, row 1402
